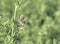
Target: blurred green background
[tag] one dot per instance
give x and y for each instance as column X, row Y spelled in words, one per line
column 42, row 21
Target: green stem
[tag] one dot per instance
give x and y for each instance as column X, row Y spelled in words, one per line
column 15, row 11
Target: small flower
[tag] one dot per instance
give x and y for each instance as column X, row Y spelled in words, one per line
column 21, row 20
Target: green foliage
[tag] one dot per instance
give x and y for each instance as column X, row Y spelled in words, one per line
column 42, row 22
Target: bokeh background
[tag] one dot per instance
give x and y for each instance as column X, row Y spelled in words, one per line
column 42, row 22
